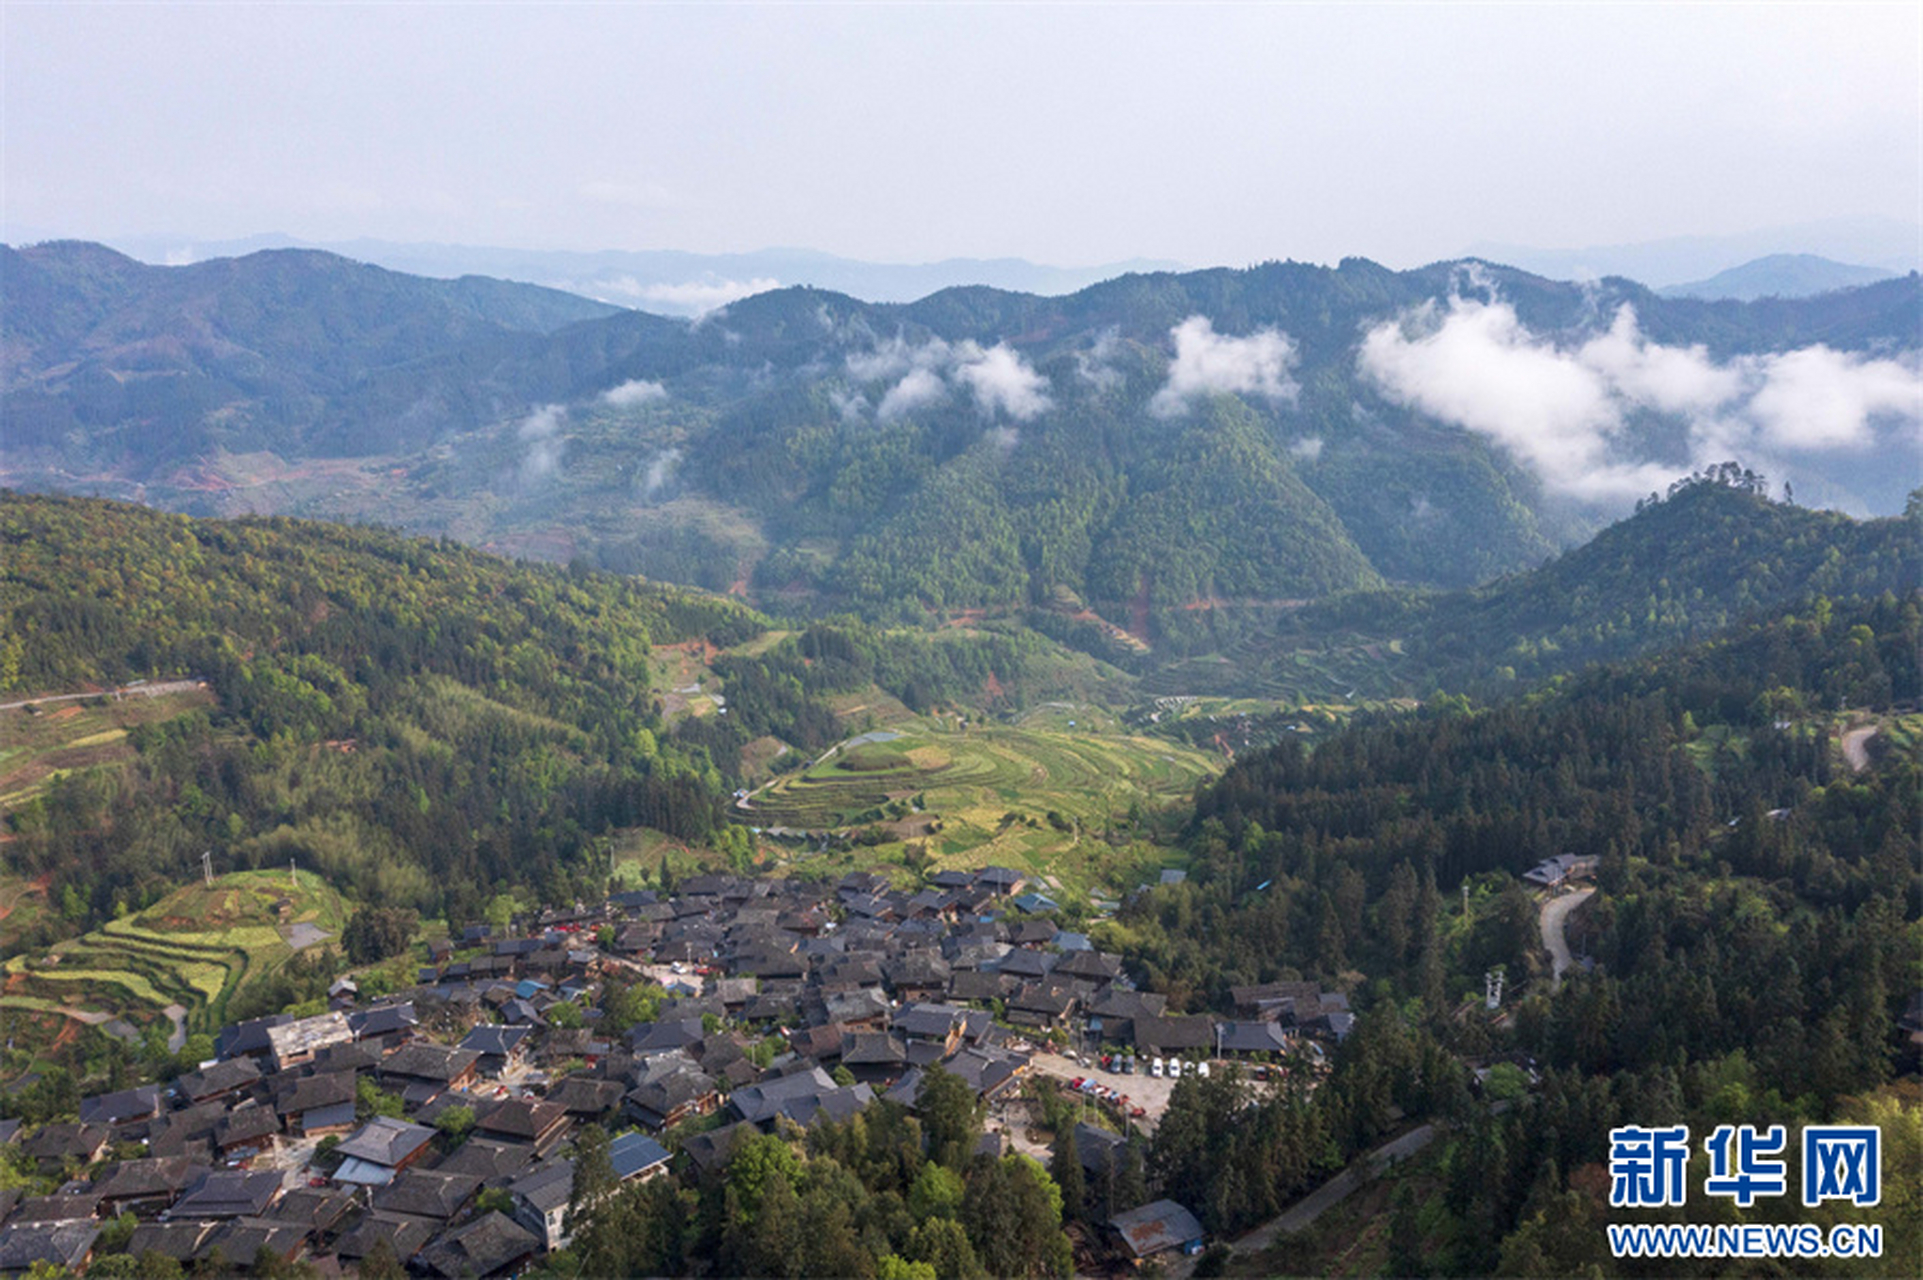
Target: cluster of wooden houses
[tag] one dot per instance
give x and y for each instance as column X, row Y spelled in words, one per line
column 789, row 1002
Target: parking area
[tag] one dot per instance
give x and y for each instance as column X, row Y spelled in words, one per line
column 1141, row 1089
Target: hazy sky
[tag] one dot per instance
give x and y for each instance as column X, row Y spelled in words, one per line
column 1065, row 134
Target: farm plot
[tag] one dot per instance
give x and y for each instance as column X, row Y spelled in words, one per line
column 194, row 948
column 1030, row 796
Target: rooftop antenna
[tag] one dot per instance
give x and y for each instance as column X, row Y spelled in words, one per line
column 207, row 867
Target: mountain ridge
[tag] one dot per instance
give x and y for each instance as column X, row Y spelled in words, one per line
column 806, row 443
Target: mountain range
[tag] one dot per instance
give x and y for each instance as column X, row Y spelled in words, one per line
column 1780, row 275
column 1150, row 455
column 665, row 281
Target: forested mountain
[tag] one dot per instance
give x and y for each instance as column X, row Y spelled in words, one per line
column 424, row 723
column 1144, row 448
column 1714, row 552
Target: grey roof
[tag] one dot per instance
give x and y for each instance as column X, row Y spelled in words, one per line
column 497, row 1042
column 222, row 1077
column 151, row 1177
column 142, row 1103
column 228, row 1193
column 633, row 1153
column 546, row 1187
column 799, row 1097
column 435, row 1193
column 404, row 1234
column 63, row 1244
column 929, row 1021
column 484, row 1246
column 428, row 1062
column 1155, row 1227
column 488, row 1159
column 385, row 1140
column 1252, row 1037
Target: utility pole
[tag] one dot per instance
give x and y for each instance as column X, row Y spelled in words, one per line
column 207, row 867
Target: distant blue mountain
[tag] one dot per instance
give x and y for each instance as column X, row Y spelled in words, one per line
column 1780, row 275
column 669, row 281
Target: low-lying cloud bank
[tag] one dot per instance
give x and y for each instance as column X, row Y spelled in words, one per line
column 634, row 392
column 541, row 429
column 1563, row 409
column 1208, row 363
column 1001, row 382
column 677, row 298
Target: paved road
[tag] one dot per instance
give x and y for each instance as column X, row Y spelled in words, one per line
column 1555, row 914
column 177, row 1038
column 1303, row 1213
column 1856, row 747
column 130, row 691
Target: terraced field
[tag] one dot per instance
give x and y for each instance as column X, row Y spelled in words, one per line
column 39, row 743
column 1039, row 795
column 194, row 949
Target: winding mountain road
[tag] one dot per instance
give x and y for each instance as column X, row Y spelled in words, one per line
column 1555, row 915
column 1856, row 747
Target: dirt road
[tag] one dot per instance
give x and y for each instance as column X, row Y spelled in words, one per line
column 156, row 690
column 1303, row 1213
column 1856, row 747
column 1555, row 914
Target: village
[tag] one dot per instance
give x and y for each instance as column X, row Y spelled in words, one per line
column 438, row 1121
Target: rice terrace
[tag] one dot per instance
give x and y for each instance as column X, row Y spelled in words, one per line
column 182, row 959
column 1030, row 794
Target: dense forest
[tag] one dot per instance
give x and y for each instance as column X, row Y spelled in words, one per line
column 1756, row 937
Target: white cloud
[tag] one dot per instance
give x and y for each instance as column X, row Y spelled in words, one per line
column 1003, row 382
column 699, row 297
column 851, row 405
column 1208, row 363
column 1817, row 398
column 659, row 471
column 635, row 391
column 540, row 429
column 1000, row 381
column 895, row 357
column 1667, row 379
column 1561, row 410
column 1308, row 448
column 917, row 388
column 1096, row 366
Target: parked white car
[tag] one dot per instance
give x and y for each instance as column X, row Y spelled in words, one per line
column 1155, row 1068
column 1202, row 1069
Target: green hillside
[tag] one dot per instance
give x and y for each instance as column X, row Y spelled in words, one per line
column 422, row 723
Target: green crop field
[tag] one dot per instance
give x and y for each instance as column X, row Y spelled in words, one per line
column 194, row 948
column 1044, row 795
column 41, row 742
